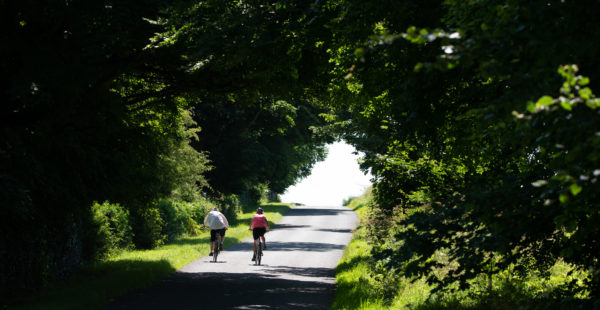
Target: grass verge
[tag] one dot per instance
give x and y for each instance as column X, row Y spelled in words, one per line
column 358, row 287
column 355, row 285
column 96, row 285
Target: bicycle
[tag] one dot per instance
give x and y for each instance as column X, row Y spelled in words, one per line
column 217, row 248
column 258, row 254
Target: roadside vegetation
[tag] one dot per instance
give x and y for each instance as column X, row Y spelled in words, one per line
column 126, row 270
column 361, row 286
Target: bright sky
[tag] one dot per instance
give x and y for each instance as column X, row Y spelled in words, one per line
column 332, row 180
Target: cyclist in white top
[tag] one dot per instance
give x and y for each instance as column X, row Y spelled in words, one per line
column 217, row 223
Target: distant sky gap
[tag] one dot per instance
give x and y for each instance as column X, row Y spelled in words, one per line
column 332, row 180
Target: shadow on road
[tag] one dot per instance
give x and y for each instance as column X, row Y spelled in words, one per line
column 231, row 291
column 302, row 271
column 289, row 226
column 343, row 231
column 316, row 212
column 292, row 246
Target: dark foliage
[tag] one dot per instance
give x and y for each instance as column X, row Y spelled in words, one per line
column 436, row 94
column 95, row 108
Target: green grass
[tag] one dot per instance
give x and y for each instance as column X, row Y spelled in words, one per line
column 359, row 288
column 356, row 288
column 98, row 284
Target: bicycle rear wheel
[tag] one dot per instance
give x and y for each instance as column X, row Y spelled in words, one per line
column 259, row 253
column 216, row 250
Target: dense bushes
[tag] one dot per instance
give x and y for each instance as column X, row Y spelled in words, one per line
column 254, row 195
column 230, row 206
column 183, row 218
column 112, row 229
column 148, row 228
column 115, row 228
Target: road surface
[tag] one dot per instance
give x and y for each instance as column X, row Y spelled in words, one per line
column 297, row 271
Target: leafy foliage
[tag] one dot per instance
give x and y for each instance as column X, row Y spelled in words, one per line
column 182, row 218
column 103, row 101
column 253, row 81
column 113, row 230
column 435, row 94
column 272, row 145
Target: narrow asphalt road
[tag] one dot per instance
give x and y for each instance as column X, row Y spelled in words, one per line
column 297, row 271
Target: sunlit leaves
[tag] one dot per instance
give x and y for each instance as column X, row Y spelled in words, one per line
column 475, row 129
column 544, row 101
column 575, row 189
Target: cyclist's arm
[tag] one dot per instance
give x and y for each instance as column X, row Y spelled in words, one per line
column 225, row 221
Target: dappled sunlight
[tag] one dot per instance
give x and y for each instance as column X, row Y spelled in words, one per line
column 294, row 247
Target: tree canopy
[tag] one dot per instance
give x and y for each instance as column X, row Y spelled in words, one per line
column 136, row 101
column 477, row 120
column 480, row 148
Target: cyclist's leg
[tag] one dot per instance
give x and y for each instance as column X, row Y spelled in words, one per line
column 255, row 236
column 262, row 232
column 222, row 236
column 213, row 235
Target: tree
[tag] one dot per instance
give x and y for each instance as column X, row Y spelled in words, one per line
column 98, row 97
column 255, row 73
column 73, row 130
column 427, row 91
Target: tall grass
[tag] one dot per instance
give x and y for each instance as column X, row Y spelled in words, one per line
column 97, row 284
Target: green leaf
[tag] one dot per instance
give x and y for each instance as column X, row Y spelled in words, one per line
column 563, row 197
column 544, row 101
column 566, row 105
column 583, row 81
column 575, row 189
column 359, row 52
column 531, row 107
column 586, row 93
column 418, row 67
column 593, row 103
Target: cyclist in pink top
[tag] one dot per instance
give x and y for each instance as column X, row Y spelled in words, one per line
column 259, row 226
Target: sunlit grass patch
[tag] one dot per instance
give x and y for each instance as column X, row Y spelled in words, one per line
column 355, row 284
column 357, row 287
column 97, row 284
